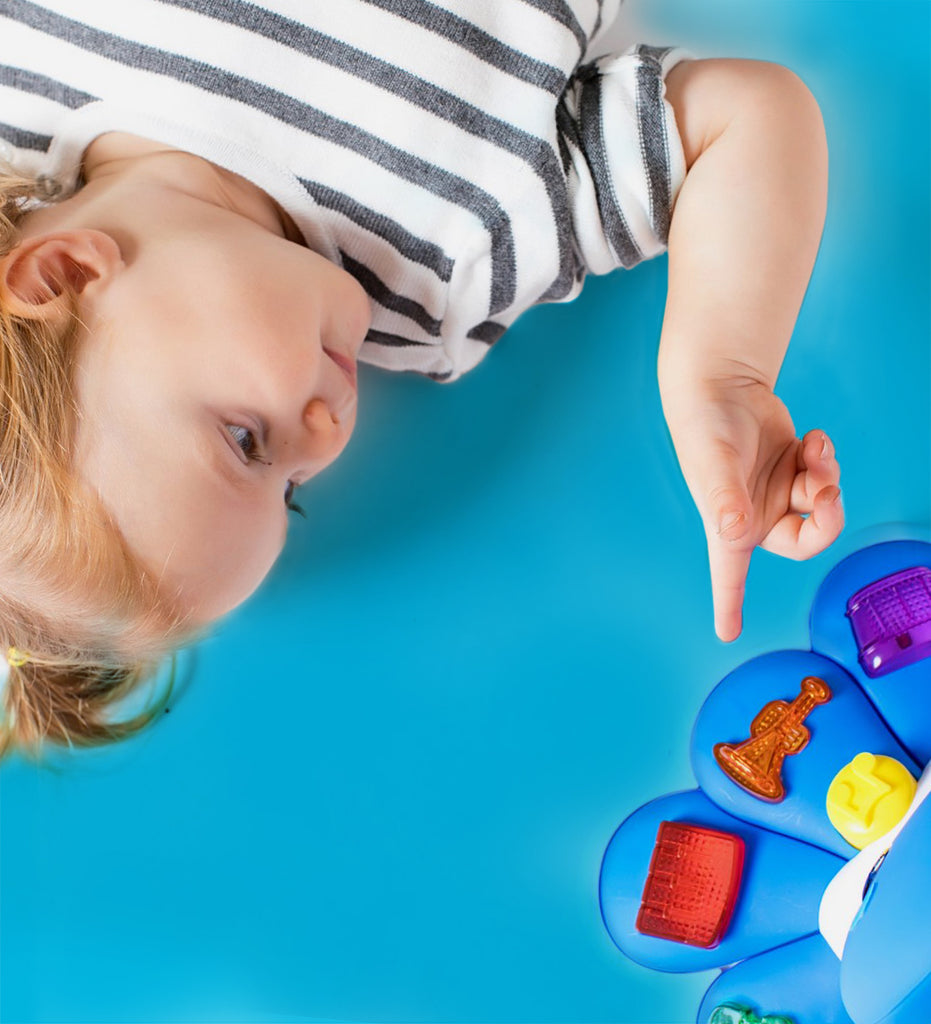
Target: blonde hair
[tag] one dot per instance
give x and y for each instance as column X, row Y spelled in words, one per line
column 89, row 621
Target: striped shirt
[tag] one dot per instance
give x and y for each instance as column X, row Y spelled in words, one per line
column 463, row 159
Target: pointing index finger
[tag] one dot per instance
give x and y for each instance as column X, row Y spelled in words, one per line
column 729, row 562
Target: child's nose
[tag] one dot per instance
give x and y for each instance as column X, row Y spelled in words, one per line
column 324, row 427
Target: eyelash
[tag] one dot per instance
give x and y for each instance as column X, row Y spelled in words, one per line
column 247, row 444
column 292, row 506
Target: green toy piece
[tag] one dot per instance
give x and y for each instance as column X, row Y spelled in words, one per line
column 730, row 1013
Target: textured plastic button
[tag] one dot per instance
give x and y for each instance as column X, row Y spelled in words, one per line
column 777, row 731
column 868, row 797
column 891, row 621
column 692, row 884
column 732, row 1013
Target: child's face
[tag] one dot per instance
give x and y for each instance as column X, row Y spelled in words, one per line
column 214, row 379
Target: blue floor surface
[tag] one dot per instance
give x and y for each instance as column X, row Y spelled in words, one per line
column 386, row 793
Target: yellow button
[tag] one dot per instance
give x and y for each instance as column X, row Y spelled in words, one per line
column 868, row 797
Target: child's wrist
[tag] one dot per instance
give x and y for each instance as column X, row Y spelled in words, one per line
column 704, row 374
column 691, row 396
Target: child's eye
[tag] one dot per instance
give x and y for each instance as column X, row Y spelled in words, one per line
column 248, row 444
column 246, row 441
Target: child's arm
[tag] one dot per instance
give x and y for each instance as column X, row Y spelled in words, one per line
column 742, row 243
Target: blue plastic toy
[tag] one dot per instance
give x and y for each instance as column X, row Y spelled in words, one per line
column 806, row 875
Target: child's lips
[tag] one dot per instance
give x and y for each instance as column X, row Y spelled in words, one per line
column 346, row 363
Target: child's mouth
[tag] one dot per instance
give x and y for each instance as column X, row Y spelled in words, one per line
column 346, row 364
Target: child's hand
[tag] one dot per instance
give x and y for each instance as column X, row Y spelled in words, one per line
column 742, row 243
column 755, row 484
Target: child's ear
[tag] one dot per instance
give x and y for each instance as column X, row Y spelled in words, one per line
column 39, row 277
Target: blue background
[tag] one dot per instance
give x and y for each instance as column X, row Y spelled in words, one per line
column 386, row 793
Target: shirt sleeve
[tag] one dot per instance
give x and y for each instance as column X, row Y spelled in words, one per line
column 623, row 156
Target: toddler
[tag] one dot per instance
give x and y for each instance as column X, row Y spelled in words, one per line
column 213, row 208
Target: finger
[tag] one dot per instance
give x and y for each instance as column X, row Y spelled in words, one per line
column 729, row 562
column 801, row 537
column 727, row 511
column 725, row 503
column 817, row 468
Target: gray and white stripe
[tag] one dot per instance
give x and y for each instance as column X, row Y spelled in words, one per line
column 451, row 155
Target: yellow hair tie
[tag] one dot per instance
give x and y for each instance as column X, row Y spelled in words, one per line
column 16, row 658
